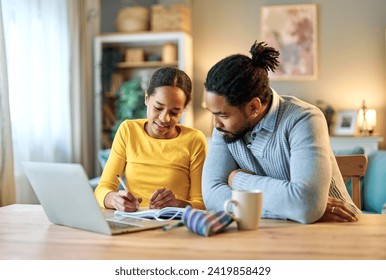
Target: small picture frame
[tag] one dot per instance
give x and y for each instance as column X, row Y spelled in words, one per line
column 346, row 122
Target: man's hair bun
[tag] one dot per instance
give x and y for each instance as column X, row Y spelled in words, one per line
column 264, row 57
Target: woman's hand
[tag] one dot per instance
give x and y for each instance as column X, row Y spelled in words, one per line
column 122, row 201
column 163, row 198
column 337, row 211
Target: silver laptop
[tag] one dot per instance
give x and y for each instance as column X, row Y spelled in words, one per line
column 67, row 198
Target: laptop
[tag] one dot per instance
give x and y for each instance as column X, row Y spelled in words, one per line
column 67, row 198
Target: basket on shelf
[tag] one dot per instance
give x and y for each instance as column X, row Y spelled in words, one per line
column 133, row 19
column 175, row 17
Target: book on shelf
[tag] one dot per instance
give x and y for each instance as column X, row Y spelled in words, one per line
column 167, row 213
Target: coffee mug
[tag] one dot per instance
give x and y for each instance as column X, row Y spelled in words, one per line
column 247, row 207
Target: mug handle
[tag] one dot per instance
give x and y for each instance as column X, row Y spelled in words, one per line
column 226, row 210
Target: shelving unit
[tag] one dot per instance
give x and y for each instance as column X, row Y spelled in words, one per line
column 368, row 143
column 151, row 43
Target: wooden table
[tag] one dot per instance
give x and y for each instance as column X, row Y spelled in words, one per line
column 26, row 233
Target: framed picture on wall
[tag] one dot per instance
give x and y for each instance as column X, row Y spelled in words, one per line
column 292, row 30
column 346, row 122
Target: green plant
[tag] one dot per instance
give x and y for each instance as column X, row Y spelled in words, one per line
column 130, row 103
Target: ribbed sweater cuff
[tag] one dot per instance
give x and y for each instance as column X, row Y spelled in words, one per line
column 241, row 181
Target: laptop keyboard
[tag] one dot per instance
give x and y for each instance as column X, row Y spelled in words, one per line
column 117, row 225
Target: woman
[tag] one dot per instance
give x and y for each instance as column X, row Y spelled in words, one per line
column 161, row 159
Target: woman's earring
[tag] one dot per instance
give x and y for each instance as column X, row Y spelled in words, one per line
column 255, row 113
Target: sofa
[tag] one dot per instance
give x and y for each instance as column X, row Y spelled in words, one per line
column 373, row 184
column 103, row 155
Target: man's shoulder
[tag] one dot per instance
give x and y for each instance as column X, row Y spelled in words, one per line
column 290, row 99
column 294, row 104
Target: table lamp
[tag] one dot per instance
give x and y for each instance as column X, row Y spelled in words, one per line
column 367, row 119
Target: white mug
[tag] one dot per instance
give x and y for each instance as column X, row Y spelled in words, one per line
column 247, row 206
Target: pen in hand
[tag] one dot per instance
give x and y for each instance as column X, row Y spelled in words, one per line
column 122, row 183
column 126, row 189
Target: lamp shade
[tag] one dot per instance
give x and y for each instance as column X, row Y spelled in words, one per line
column 367, row 120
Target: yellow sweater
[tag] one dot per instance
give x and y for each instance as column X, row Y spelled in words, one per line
column 149, row 163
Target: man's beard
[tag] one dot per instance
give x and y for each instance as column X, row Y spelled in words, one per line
column 233, row 137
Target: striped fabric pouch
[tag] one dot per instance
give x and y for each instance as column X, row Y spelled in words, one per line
column 205, row 223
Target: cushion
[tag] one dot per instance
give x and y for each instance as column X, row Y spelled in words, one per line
column 94, row 182
column 103, row 155
column 374, row 195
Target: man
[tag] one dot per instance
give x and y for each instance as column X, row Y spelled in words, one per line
column 278, row 144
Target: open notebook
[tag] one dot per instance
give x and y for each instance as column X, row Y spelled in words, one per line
column 167, row 213
column 64, row 192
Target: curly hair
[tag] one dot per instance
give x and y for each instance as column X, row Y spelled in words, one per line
column 170, row 76
column 239, row 78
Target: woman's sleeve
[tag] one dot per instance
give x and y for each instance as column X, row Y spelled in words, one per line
column 198, row 153
column 115, row 165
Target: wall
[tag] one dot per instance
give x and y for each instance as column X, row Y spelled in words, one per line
column 351, row 59
column 351, row 49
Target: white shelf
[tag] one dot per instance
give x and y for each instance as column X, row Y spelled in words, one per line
column 184, row 62
column 368, row 143
column 146, row 64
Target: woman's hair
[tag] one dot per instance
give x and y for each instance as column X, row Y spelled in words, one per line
column 173, row 77
column 239, row 78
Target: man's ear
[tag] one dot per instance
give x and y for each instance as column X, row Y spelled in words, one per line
column 255, row 104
